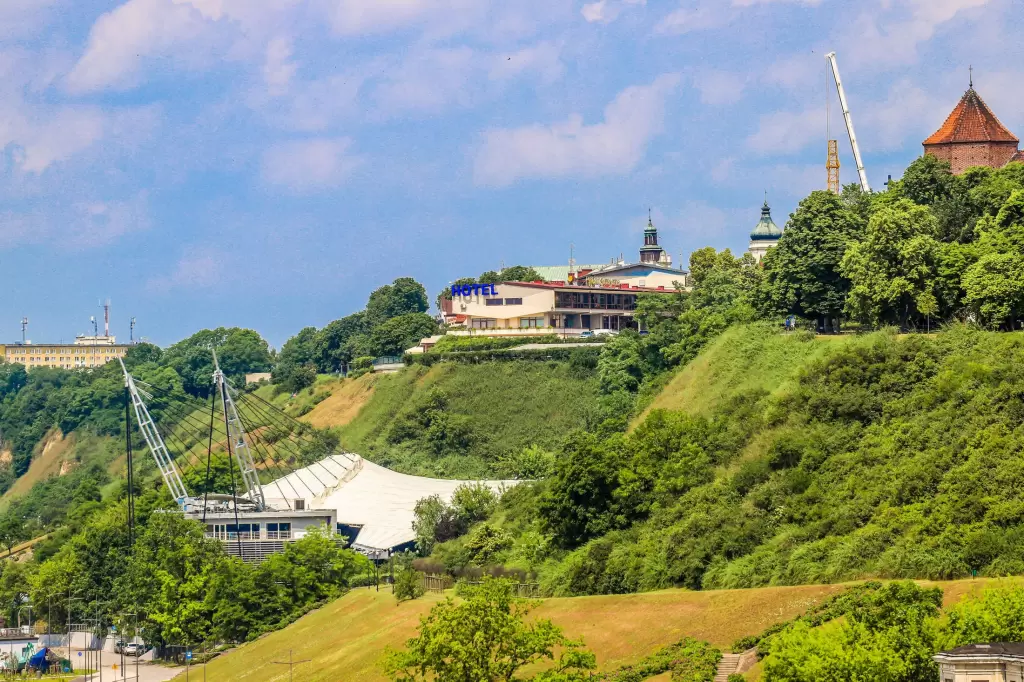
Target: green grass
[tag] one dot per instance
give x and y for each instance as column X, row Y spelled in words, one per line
column 509, row 406
column 744, row 358
column 346, row 639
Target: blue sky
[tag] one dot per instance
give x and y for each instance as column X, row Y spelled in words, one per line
column 268, row 163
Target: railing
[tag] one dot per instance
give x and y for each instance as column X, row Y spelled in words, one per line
column 279, row 535
column 248, row 535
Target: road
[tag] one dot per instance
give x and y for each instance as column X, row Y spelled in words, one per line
column 147, row 673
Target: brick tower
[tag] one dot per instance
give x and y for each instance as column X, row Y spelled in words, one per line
column 973, row 136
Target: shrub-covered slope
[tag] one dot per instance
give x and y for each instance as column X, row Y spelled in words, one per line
column 456, row 420
column 793, row 460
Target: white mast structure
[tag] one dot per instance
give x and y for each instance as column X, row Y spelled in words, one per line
column 164, row 461
column 831, row 57
column 237, row 440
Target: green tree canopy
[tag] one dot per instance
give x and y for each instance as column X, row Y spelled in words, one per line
column 239, row 351
column 893, row 270
column 801, row 274
column 399, row 333
column 403, row 296
column 486, row 638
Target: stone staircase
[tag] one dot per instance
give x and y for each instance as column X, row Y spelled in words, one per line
column 727, row 666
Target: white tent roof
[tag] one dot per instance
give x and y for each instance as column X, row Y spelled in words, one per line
column 379, row 500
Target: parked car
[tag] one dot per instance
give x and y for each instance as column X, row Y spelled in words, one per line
column 134, row 649
column 605, row 332
column 587, row 334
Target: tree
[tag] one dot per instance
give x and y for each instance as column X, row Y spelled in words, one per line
column 404, row 295
column 993, row 286
column 927, row 180
column 239, row 351
column 394, row 336
column 801, row 274
column 518, row 273
column 485, row 639
column 332, row 347
column 296, row 363
column 408, row 582
column 893, row 271
column 888, row 637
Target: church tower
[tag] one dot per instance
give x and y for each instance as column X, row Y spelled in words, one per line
column 765, row 234
column 650, row 252
column 973, row 136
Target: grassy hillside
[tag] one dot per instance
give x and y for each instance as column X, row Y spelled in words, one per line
column 456, row 420
column 744, row 359
column 346, row 638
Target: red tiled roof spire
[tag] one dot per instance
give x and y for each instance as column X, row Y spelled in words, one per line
column 971, row 121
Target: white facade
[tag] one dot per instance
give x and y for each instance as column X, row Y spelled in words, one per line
column 996, row 662
column 758, row 248
column 545, row 308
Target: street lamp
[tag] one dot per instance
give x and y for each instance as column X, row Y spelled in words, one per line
column 70, row 599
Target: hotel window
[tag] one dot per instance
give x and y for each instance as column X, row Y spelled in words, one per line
column 484, row 323
column 513, row 301
column 494, row 301
column 531, row 322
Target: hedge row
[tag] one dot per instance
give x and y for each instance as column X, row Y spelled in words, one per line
column 475, row 357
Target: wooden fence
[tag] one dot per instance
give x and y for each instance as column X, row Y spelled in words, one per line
column 440, row 583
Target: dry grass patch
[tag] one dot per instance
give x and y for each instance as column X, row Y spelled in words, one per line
column 51, row 459
column 347, row 399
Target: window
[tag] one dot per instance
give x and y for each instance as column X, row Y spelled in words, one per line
column 494, row 301
column 531, row 322
column 513, row 301
column 484, row 323
column 300, row 505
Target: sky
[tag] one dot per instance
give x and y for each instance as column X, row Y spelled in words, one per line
column 268, row 163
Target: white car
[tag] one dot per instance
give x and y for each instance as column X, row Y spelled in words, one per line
column 134, row 649
column 605, row 332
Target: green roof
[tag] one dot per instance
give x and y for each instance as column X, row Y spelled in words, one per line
column 766, row 229
column 560, row 273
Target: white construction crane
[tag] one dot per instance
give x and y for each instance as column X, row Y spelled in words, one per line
column 831, row 57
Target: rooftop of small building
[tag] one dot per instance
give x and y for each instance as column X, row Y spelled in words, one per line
column 1001, row 649
column 565, row 286
column 766, row 228
column 971, row 121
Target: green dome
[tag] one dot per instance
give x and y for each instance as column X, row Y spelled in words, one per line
column 766, row 229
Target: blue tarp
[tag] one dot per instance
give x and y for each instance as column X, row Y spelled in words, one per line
column 38, row 660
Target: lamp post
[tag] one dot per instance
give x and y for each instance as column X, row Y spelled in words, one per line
column 70, row 599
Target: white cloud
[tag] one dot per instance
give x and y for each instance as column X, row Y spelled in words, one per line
column 85, row 224
column 363, row 17
column 278, row 67
column 685, row 20
column 197, row 268
column 544, row 59
column 890, row 38
column 427, row 81
column 788, row 131
column 121, row 38
column 309, row 165
column 719, row 88
column 570, row 148
column 24, row 17
column 99, row 223
column 607, row 11
column 43, row 138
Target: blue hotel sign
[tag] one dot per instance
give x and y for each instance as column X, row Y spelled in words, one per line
column 473, row 290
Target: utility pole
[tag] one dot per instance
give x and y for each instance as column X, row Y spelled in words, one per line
column 70, row 599
column 291, row 664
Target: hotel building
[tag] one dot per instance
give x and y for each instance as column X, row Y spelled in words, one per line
column 86, row 351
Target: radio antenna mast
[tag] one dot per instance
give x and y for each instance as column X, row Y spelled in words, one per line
column 24, row 328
